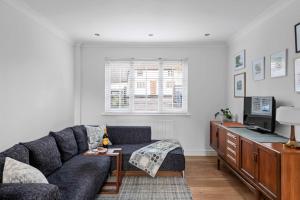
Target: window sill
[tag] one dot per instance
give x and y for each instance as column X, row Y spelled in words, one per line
column 145, row 114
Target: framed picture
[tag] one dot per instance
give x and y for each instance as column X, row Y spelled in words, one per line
column 279, row 64
column 239, row 60
column 240, row 85
column 297, row 37
column 297, row 75
column 258, row 69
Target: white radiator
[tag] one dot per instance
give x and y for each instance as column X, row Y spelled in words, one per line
column 161, row 129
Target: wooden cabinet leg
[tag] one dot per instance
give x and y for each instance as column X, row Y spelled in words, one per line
column 219, row 164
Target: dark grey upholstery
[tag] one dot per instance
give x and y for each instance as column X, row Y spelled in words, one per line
column 29, row 191
column 80, row 178
column 81, row 138
column 129, row 134
column 174, row 161
column 44, row 154
column 17, row 152
column 66, row 143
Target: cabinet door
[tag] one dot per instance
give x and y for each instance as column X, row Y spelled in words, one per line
column 248, row 158
column 268, row 171
column 222, row 142
column 214, row 132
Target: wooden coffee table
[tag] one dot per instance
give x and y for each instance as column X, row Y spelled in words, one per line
column 117, row 154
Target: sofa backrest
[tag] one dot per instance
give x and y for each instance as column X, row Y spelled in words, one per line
column 66, row 143
column 44, row 154
column 129, row 134
column 81, row 138
column 17, row 152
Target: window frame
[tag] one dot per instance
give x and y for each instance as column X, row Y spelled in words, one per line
column 132, row 84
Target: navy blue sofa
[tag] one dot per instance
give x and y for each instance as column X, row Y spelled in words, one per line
column 71, row 175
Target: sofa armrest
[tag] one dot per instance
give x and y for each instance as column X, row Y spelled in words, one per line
column 129, row 134
column 29, row 191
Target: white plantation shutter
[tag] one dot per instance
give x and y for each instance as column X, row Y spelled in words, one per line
column 146, row 86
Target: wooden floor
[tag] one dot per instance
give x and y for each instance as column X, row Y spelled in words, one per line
column 208, row 183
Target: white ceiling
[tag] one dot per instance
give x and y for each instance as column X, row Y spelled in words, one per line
column 133, row 20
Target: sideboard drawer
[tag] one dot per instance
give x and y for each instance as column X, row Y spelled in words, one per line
column 232, row 149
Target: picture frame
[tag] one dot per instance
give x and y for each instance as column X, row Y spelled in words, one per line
column 258, row 69
column 278, row 64
column 240, row 85
column 297, row 37
column 240, row 60
column 297, row 75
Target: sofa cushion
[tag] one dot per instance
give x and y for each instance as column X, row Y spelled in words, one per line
column 29, row 191
column 66, row 143
column 17, row 172
column 95, row 136
column 175, row 160
column 17, row 152
column 81, row 177
column 81, row 138
column 44, row 154
column 129, row 134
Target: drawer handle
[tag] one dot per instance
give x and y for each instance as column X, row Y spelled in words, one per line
column 231, row 150
column 231, row 135
column 231, row 143
column 231, row 158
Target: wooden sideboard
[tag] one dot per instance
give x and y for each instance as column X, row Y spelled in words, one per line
column 269, row 169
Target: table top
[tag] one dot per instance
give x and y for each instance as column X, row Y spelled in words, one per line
column 110, row 152
column 258, row 137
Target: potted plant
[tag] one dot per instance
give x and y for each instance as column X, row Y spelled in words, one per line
column 225, row 114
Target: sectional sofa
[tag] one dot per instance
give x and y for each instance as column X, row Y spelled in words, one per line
column 71, row 175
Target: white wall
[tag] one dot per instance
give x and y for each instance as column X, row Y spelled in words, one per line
column 207, row 90
column 36, row 79
column 273, row 32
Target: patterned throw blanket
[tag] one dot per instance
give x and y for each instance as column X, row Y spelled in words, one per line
column 150, row 158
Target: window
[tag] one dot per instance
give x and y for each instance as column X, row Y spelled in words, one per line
column 146, row 86
column 140, row 85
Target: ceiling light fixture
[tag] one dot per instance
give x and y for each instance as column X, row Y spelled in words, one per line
column 97, row 34
column 207, row 34
column 150, row 34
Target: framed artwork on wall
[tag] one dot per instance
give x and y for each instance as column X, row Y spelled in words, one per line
column 297, row 75
column 239, row 60
column 258, row 69
column 297, row 37
column 240, row 85
column 279, row 64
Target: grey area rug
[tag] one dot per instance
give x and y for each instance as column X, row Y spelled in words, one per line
column 147, row 188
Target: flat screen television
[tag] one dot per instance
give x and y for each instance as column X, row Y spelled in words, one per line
column 260, row 113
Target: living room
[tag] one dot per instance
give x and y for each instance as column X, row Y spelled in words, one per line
column 147, row 74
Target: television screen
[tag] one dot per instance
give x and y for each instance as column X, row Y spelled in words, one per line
column 260, row 113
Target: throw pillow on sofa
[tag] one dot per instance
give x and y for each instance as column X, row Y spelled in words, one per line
column 95, row 136
column 17, row 152
column 18, row 172
column 44, row 154
column 66, row 143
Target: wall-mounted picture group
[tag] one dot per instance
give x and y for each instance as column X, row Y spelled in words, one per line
column 278, row 67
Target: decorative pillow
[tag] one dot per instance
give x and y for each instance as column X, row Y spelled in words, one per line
column 66, row 143
column 81, row 138
column 44, row 154
column 17, row 152
column 18, row 172
column 95, row 135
